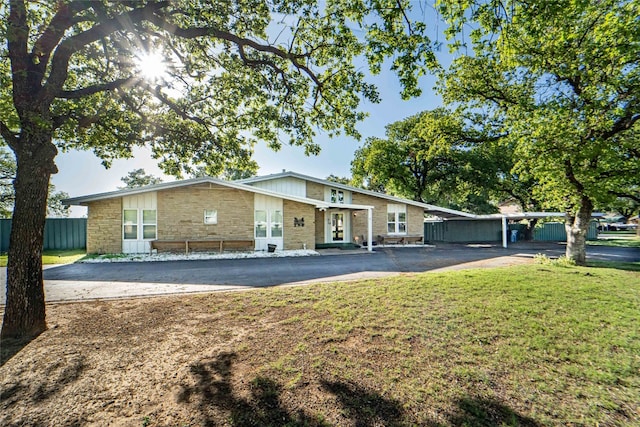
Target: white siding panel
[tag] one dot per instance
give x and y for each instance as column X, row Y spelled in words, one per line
column 270, row 205
column 287, row 185
column 139, row 202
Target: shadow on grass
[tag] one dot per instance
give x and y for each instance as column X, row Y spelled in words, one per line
column 218, row 401
column 263, row 405
column 364, row 407
column 481, row 412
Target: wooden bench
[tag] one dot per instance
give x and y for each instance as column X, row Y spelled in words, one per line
column 187, row 245
column 412, row 240
column 387, row 239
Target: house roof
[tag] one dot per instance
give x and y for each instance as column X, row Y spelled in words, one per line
column 431, row 209
column 83, row 200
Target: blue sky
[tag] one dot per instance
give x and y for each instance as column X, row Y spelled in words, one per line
column 81, row 173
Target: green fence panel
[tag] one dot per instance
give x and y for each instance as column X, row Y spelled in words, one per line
column 59, row 234
column 555, row 232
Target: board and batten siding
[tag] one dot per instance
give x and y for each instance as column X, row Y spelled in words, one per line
column 287, row 185
column 140, row 203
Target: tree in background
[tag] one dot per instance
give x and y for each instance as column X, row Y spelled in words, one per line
column 199, row 83
column 339, row 179
column 55, row 208
column 427, row 158
column 139, row 178
column 563, row 79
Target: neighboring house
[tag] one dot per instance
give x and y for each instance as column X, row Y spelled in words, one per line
column 289, row 210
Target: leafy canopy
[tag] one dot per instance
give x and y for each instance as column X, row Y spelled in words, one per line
column 55, row 208
column 236, row 72
column 428, row 157
column 563, row 78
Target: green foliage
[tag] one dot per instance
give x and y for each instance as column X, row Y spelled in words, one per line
column 55, row 207
column 428, row 158
column 139, row 178
column 563, row 80
column 237, row 73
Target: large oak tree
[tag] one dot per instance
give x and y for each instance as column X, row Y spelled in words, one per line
column 563, row 77
column 72, row 76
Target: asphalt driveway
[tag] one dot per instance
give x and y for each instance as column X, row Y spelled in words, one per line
column 123, row 280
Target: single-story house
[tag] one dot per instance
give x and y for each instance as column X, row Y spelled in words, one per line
column 288, row 210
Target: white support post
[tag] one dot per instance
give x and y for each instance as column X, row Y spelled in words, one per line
column 370, row 229
column 504, row 231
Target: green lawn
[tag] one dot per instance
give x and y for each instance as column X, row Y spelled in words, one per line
column 530, row 345
column 54, row 257
column 625, row 243
column 533, row 345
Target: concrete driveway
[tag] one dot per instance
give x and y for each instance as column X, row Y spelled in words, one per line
column 75, row 282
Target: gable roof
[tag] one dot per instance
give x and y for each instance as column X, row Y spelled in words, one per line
column 83, row 200
column 431, row 209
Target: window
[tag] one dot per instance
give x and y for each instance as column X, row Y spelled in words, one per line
column 261, row 223
column 130, row 224
column 396, row 219
column 149, row 224
column 131, row 218
column 276, row 224
column 337, row 196
column 211, row 216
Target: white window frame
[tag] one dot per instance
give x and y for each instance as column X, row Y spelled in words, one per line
column 140, row 224
column 210, row 216
column 126, row 224
column 262, row 223
column 394, row 213
column 148, row 223
column 336, row 196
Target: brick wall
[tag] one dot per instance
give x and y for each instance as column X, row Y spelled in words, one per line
column 415, row 217
column 104, row 226
column 319, row 226
column 298, row 237
column 315, row 191
column 181, row 213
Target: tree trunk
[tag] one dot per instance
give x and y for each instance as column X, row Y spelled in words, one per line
column 530, row 230
column 577, row 226
column 24, row 315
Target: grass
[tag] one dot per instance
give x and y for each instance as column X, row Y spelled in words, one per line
column 622, row 243
column 534, row 345
column 528, row 345
column 54, row 257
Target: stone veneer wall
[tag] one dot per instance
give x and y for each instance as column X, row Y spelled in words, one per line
column 104, row 226
column 315, row 191
column 181, row 213
column 298, row 237
column 415, row 216
column 319, row 226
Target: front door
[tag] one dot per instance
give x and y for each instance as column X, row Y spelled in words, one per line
column 268, row 226
column 337, row 227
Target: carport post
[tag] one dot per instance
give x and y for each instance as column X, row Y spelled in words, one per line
column 504, row 231
column 370, row 229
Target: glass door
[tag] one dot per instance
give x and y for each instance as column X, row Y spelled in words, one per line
column 337, row 227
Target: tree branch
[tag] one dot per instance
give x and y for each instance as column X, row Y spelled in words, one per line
column 634, row 197
column 10, row 138
column 104, row 87
column 62, row 55
column 190, row 33
column 54, row 32
column 623, row 123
